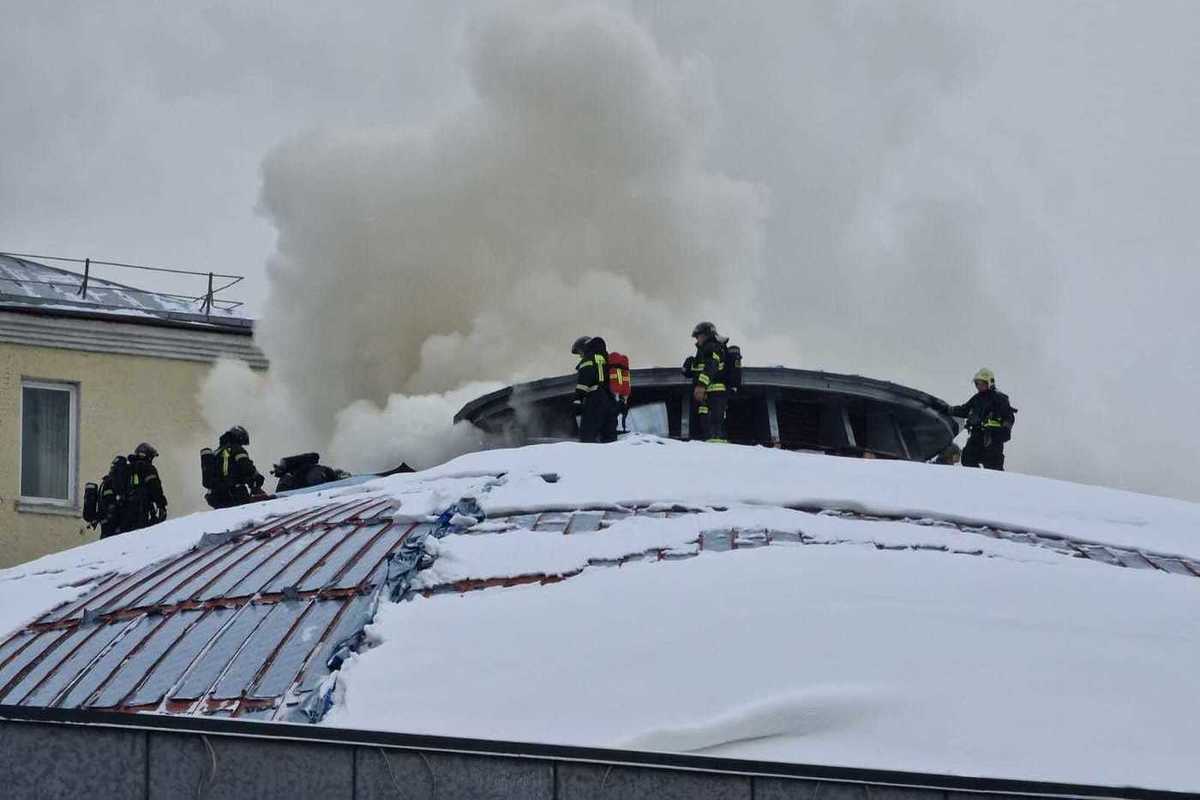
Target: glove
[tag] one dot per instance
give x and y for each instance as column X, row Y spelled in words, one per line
column 687, row 366
column 941, row 405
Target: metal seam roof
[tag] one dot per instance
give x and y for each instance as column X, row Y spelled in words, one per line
column 157, row 639
column 246, row 623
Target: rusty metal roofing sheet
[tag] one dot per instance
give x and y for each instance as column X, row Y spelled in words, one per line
column 258, row 649
column 167, row 672
column 249, row 622
column 209, row 667
column 236, row 625
column 65, row 672
column 96, row 674
column 352, row 618
column 134, row 669
column 290, row 658
column 30, row 647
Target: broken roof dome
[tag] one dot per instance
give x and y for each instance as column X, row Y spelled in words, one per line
column 657, row 595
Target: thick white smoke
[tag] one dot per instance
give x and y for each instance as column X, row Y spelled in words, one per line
column 414, row 265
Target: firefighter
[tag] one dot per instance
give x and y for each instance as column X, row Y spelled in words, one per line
column 709, row 390
column 302, row 471
column 145, row 502
column 594, row 404
column 990, row 419
column 112, row 497
column 235, row 480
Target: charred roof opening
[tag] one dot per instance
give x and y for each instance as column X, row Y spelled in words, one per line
column 792, row 409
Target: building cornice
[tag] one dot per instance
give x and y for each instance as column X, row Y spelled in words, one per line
column 158, row 339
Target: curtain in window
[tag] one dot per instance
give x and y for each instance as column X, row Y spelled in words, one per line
column 45, row 442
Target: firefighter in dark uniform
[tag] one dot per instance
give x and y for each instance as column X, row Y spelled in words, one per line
column 237, row 481
column 594, row 404
column 302, row 471
column 145, row 502
column 709, row 392
column 990, row 420
column 112, row 498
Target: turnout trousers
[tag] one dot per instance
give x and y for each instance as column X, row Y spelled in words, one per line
column 979, row 452
column 598, row 419
column 710, row 416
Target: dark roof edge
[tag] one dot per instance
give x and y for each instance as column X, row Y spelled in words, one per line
column 237, row 326
column 565, row 753
column 783, row 377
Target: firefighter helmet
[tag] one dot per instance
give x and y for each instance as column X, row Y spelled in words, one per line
column 580, row 345
column 704, row 329
column 238, row 435
column 985, row 375
column 146, row 451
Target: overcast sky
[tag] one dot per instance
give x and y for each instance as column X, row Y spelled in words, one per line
column 949, row 184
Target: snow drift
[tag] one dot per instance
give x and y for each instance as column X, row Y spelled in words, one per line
column 705, row 598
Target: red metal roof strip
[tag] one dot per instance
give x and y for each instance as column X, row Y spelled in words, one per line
column 35, row 651
column 106, row 582
column 171, row 569
column 109, row 664
column 13, row 645
column 245, row 550
column 336, row 560
column 215, row 659
column 377, row 573
column 298, row 548
column 199, row 574
column 355, row 559
column 258, row 648
column 72, row 664
column 38, row 670
column 349, row 620
column 336, row 510
column 371, row 509
column 311, row 558
column 75, row 608
column 142, row 660
column 290, row 546
column 223, row 584
column 166, row 672
column 287, row 654
column 99, row 671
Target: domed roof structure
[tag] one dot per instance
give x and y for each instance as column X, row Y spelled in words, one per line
column 660, row 596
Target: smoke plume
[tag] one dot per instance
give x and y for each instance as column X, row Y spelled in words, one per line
column 951, row 186
column 417, row 264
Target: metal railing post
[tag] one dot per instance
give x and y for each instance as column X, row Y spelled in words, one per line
column 87, row 268
column 208, row 298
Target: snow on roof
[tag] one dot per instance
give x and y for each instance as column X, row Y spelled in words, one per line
column 658, row 595
column 31, row 283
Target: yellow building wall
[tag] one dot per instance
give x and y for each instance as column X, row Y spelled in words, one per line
column 123, row 400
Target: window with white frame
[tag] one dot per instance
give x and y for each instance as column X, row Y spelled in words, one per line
column 49, row 413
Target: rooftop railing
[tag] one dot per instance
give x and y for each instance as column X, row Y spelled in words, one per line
column 78, row 283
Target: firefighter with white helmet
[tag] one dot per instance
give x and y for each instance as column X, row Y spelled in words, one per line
column 989, row 423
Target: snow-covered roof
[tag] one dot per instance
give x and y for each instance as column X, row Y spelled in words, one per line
column 34, row 285
column 658, row 595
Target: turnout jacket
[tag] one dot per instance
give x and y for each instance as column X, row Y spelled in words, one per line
column 591, row 376
column 708, row 366
column 987, row 412
column 235, row 467
column 144, row 481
